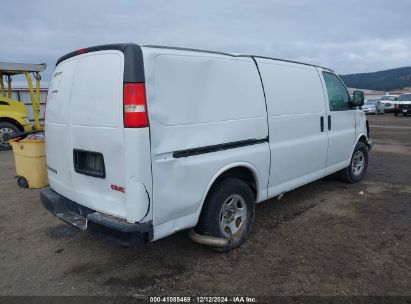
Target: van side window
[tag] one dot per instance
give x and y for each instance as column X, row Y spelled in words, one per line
column 337, row 93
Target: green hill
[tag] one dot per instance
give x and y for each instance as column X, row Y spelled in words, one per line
column 386, row 80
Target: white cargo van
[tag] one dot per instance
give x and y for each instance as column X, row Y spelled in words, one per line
column 144, row 141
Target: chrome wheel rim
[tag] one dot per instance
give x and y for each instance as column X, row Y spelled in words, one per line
column 358, row 162
column 5, row 134
column 233, row 215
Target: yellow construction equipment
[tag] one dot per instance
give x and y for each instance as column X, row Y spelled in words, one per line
column 15, row 127
column 13, row 114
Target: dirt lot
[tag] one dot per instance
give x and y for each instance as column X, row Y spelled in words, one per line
column 322, row 239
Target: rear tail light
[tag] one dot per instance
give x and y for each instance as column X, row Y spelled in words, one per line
column 135, row 107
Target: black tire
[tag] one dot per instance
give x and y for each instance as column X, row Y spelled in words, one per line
column 22, row 182
column 352, row 174
column 6, row 130
column 211, row 219
column 395, row 113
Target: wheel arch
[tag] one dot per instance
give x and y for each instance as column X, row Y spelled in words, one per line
column 361, row 137
column 242, row 170
column 12, row 121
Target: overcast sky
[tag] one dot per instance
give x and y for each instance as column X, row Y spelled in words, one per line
column 348, row 36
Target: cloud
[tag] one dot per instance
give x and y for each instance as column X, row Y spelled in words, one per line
column 347, row 36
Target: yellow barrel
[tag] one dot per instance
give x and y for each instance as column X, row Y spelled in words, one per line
column 30, row 159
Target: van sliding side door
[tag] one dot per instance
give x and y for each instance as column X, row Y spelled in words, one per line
column 296, row 113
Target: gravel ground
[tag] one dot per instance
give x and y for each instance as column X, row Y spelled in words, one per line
column 322, row 239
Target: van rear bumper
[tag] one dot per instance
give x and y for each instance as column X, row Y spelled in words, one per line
column 105, row 226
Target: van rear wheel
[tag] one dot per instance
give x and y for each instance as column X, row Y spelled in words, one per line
column 355, row 172
column 228, row 213
column 6, row 130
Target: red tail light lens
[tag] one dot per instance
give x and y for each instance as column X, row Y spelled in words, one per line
column 81, row 51
column 135, row 108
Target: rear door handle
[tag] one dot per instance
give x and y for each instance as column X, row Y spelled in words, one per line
column 322, row 123
column 329, row 122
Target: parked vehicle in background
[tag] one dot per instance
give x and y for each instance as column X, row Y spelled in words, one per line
column 13, row 120
column 13, row 114
column 403, row 104
column 389, row 102
column 185, row 138
column 375, row 107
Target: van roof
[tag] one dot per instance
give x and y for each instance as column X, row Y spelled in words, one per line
column 133, row 71
column 233, row 55
column 123, row 46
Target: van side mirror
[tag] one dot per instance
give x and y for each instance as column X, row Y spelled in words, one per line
column 357, row 99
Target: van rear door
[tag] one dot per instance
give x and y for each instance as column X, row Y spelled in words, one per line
column 85, row 135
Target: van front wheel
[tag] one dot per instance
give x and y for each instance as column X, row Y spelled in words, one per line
column 355, row 172
column 228, row 213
